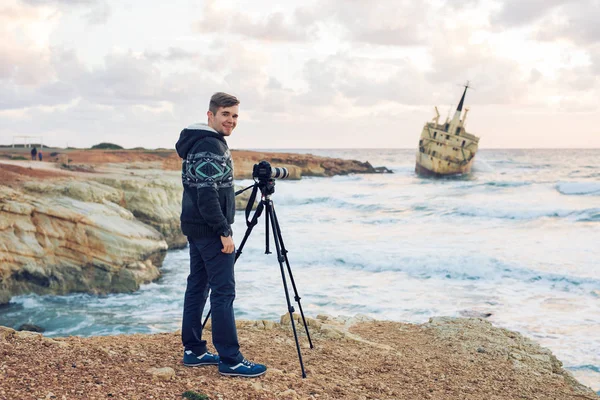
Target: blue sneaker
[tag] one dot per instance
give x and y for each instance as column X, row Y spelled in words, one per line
column 192, row 360
column 245, row 368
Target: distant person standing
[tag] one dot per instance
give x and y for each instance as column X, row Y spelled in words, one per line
column 33, row 153
column 40, row 155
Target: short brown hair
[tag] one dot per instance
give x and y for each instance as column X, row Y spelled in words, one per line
column 221, row 99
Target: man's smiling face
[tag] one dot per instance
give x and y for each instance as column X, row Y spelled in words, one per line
column 224, row 120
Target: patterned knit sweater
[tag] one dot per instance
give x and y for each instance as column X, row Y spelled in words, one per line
column 208, row 204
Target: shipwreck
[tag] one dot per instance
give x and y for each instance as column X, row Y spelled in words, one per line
column 447, row 149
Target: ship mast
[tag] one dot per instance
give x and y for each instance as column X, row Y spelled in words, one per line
column 456, row 119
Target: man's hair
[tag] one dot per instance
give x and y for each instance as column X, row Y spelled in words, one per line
column 221, row 99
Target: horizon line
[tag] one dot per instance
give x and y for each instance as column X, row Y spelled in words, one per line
column 9, row 146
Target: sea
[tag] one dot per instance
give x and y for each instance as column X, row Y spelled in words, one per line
column 518, row 238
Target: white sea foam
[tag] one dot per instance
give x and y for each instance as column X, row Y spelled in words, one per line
column 579, row 188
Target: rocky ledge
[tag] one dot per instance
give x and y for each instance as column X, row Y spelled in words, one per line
column 104, row 226
column 353, row 358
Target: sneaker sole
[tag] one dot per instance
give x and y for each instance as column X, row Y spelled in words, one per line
column 199, row 364
column 242, row 375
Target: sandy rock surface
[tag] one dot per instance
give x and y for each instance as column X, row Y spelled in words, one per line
column 367, row 359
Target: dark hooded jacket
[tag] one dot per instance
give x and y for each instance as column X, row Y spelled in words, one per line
column 208, row 205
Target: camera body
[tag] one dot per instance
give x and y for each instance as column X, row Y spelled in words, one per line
column 263, row 171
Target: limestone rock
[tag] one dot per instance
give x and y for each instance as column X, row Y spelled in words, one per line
column 265, row 325
column 58, row 343
column 288, row 394
column 57, row 245
column 28, row 335
column 162, row 374
column 475, row 314
column 331, row 332
column 285, row 319
column 6, row 333
column 155, row 200
column 474, row 334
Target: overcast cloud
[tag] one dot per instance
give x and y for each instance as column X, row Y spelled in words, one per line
column 316, row 74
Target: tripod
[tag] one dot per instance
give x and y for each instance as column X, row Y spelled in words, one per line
column 267, row 188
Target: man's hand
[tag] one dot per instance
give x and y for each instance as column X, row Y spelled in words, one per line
column 228, row 245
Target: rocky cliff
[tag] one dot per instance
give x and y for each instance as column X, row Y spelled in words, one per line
column 104, row 226
column 59, row 244
column 353, row 358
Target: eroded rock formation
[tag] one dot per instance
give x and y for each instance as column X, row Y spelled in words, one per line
column 58, row 244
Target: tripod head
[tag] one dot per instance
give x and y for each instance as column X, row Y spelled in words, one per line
column 266, row 186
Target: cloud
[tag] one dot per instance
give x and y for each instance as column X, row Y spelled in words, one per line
column 274, row 27
column 173, row 54
column 595, row 59
column 515, row 13
column 575, row 21
column 461, row 4
column 61, row 2
column 24, row 54
column 99, row 14
column 388, row 22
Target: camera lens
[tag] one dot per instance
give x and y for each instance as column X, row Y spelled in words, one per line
column 279, row 173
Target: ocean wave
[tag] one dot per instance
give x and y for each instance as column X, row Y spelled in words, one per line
column 590, row 216
column 579, row 188
column 494, row 184
column 588, row 367
column 507, row 184
column 586, row 215
column 331, row 202
column 458, row 268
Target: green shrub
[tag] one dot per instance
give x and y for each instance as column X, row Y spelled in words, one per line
column 19, row 158
column 191, row 395
column 106, row 146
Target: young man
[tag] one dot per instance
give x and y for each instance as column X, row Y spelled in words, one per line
column 208, row 209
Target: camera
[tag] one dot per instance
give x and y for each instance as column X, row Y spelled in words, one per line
column 263, row 171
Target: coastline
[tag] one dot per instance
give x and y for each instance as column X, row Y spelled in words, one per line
column 100, row 221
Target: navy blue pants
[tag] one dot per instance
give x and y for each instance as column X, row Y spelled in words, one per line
column 210, row 268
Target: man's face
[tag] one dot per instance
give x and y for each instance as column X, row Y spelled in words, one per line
column 225, row 119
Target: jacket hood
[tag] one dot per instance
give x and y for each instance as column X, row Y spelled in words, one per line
column 191, row 135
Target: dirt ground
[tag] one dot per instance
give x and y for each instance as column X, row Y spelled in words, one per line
column 385, row 360
column 11, row 175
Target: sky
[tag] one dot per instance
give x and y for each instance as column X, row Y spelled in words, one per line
column 309, row 74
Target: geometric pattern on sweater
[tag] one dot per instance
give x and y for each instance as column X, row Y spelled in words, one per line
column 206, row 169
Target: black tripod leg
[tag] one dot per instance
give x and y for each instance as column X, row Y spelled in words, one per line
column 238, row 253
column 289, row 269
column 267, row 216
column 281, row 258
